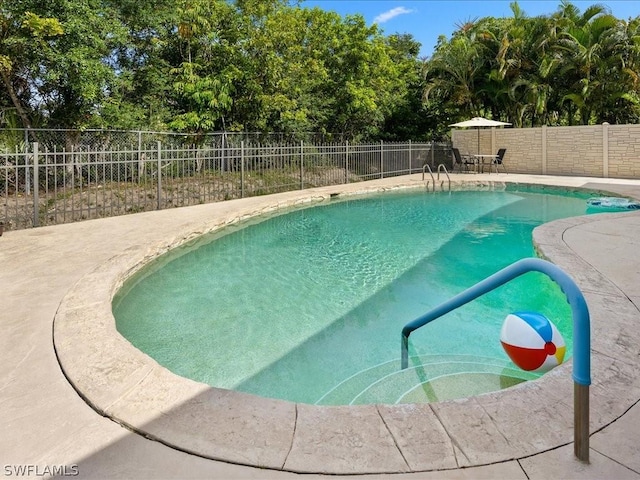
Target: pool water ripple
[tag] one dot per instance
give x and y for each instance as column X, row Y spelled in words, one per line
column 287, row 307
column 386, row 383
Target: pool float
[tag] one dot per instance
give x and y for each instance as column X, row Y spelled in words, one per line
column 612, row 203
column 532, row 342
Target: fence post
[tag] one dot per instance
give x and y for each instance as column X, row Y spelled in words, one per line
column 140, row 160
column 36, row 183
column 433, row 153
column 605, row 149
column 410, row 165
column 301, row 164
column 159, row 182
column 346, row 162
column 242, row 169
column 27, row 175
column 223, row 153
column 381, row 159
column 544, row 150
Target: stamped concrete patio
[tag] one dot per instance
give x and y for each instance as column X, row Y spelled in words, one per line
column 75, row 394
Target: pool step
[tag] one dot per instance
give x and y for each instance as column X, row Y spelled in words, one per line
column 429, row 378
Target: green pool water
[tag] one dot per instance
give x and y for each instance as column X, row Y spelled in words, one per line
column 308, row 305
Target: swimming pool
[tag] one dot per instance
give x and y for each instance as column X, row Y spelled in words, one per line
column 334, row 284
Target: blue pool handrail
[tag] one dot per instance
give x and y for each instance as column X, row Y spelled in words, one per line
column 581, row 333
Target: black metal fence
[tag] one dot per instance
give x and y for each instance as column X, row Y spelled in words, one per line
column 71, row 176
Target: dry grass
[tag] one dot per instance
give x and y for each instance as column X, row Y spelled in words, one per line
column 107, row 199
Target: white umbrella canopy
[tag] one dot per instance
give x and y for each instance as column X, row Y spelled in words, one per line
column 478, row 122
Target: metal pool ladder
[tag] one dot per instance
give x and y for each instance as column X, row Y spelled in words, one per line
column 581, row 334
column 441, row 167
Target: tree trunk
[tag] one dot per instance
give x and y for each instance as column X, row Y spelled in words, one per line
column 16, row 102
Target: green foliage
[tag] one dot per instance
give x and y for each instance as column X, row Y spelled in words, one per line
column 57, row 51
column 202, row 65
column 42, row 27
column 278, row 66
column 561, row 69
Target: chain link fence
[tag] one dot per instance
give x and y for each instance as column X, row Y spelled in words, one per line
column 49, row 177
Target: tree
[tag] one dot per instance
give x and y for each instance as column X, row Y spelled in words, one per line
column 408, row 116
column 585, row 41
column 19, row 32
column 560, row 69
column 453, row 73
column 203, row 84
column 140, row 95
column 59, row 54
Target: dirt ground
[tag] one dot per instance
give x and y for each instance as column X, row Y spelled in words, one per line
column 62, row 204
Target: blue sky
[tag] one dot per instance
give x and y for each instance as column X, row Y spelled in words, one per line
column 427, row 19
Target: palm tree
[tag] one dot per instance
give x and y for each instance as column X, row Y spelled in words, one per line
column 585, row 42
column 619, row 75
column 453, row 72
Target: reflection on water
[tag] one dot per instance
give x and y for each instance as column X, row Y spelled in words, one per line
column 292, row 306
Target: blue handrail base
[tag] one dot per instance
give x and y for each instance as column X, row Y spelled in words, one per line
column 581, row 333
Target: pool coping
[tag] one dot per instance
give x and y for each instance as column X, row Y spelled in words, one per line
column 124, row 384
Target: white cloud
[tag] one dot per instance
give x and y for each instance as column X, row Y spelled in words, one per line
column 394, row 12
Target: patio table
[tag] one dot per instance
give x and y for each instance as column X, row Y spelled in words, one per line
column 482, row 160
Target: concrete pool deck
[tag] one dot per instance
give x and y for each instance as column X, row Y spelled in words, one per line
column 71, row 421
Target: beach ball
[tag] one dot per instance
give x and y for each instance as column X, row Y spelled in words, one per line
column 532, row 342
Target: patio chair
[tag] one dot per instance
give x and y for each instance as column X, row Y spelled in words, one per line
column 498, row 162
column 461, row 161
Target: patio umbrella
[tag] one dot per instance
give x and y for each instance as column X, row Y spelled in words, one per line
column 479, row 122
